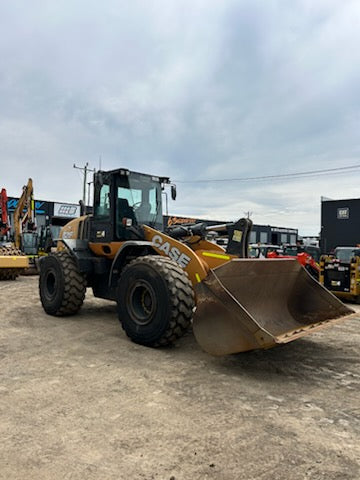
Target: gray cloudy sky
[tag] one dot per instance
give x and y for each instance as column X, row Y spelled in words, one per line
column 192, row 89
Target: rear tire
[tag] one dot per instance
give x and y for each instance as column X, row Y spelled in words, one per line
column 62, row 287
column 155, row 301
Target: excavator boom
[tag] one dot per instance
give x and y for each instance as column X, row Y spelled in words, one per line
column 24, row 214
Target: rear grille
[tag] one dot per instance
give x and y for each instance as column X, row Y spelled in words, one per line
column 337, row 277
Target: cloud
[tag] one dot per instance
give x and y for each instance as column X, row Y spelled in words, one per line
column 189, row 89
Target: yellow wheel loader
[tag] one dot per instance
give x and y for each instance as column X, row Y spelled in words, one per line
column 163, row 281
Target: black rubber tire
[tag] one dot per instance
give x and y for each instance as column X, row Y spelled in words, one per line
column 9, row 273
column 62, row 287
column 155, row 301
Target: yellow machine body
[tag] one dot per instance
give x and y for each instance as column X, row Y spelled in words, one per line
column 12, row 263
column 341, row 279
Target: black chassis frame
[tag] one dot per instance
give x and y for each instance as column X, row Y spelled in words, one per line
column 102, row 274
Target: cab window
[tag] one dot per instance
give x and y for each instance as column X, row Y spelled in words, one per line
column 103, row 206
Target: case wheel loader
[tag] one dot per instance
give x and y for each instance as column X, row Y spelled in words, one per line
column 164, row 281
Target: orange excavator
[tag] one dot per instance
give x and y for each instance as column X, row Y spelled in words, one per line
column 303, row 257
column 4, row 217
column 12, row 260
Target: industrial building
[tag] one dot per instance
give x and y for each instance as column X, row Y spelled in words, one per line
column 339, row 223
column 47, row 213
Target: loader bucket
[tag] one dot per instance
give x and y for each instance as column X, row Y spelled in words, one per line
column 247, row 304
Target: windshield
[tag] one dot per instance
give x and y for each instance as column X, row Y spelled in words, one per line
column 291, row 251
column 314, row 252
column 261, row 251
column 254, row 252
column 139, row 199
column 345, row 254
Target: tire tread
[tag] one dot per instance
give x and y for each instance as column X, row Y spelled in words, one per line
column 181, row 297
column 74, row 286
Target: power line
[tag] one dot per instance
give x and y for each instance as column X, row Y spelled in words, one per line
column 85, row 171
column 309, row 173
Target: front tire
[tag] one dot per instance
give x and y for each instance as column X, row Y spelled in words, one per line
column 62, row 287
column 155, row 301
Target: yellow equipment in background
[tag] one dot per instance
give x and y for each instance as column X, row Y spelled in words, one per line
column 340, row 273
column 12, row 260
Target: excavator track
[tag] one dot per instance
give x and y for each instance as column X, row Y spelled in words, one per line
column 11, row 256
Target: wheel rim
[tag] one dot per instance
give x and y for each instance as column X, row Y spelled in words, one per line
column 50, row 282
column 142, row 302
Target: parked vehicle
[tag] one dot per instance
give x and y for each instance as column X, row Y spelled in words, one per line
column 262, row 250
column 287, row 251
column 340, row 273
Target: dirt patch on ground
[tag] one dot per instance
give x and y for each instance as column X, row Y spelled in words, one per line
column 79, row 400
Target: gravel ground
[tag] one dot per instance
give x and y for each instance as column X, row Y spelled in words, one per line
column 79, row 400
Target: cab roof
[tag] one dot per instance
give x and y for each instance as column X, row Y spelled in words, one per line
column 127, row 172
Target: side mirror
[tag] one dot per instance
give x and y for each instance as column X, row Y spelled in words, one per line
column 82, row 208
column 173, row 192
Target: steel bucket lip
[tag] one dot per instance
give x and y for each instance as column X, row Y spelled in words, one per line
column 302, row 332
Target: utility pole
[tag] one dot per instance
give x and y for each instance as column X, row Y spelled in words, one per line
column 85, row 170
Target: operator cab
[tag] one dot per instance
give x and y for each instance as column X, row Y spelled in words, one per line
column 123, row 202
column 345, row 254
